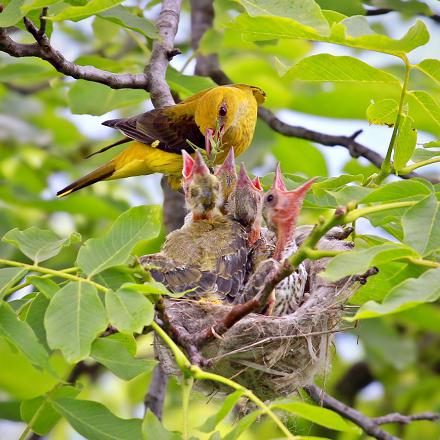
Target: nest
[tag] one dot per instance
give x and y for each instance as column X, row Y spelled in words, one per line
column 272, row 356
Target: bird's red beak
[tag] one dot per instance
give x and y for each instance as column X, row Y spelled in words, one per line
column 199, row 166
column 278, row 182
column 243, row 180
column 286, row 212
column 228, row 166
column 188, row 165
column 257, row 184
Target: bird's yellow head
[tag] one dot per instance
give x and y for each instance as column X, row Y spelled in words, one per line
column 201, row 188
column 224, row 107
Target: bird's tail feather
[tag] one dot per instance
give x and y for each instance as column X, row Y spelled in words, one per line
column 101, row 173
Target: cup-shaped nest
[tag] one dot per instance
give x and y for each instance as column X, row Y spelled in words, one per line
column 270, row 355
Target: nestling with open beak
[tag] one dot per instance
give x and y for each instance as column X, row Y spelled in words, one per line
column 209, row 253
column 245, row 204
column 281, row 209
column 202, row 189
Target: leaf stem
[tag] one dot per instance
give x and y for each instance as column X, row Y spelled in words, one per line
column 361, row 212
column 421, row 262
column 187, row 384
column 53, row 272
column 28, row 283
column 386, row 167
column 420, row 164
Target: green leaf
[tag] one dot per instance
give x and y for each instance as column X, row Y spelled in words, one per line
column 76, row 13
column 85, row 97
column 212, row 422
column 243, row 425
column 421, row 225
column 390, row 274
column 39, row 413
column 35, row 317
column 10, row 410
column 153, row 429
column 326, row 67
column 352, row 32
column 74, row 318
column 113, row 354
column 386, row 344
column 318, row 415
column 30, row 5
column 38, row 244
column 154, row 288
column 128, row 311
column 406, row 295
column 23, row 381
column 123, row 17
column 187, row 85
column 383, row 112
column 306, row 12
column 20, row 334
column 428, row 104
column 425, row 153
column 430, row 67
column 397, row 191
column 359, row 261
column 310, row 161
column 94, row 421
column 352, row 7
column 47, row 287
column 33, row 70
column 405, row 142
column 136, row 224
column 10, row 276
column 11, row 14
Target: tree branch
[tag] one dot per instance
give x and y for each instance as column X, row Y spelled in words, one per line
column 369, row 425
column 153, row 79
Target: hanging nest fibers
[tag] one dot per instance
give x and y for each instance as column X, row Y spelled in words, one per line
column 270, row 355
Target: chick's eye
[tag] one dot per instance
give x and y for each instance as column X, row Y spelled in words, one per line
column 270, row 198
column 222, row 110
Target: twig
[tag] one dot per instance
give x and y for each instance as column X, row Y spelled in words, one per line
column 369, row 425
column 156, row 392
column 383, row 11
column 404, row 420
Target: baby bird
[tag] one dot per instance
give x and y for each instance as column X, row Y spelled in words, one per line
column 227, row 177
column 208, row 254
column 245, row 204
column 281, row 210
column 202, row 189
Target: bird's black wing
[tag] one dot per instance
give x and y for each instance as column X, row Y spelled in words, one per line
column 172, row 130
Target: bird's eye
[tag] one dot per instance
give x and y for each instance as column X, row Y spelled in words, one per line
column 270, row 198
column 222, row 110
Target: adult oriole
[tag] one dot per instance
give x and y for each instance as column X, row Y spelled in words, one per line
column 160, row 135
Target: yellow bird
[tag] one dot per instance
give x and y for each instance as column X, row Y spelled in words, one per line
column 160, row 135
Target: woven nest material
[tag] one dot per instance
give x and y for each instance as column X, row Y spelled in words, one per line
column 270, row 355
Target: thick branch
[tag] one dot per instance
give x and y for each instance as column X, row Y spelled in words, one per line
column 155, row 397
column 370, row 426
